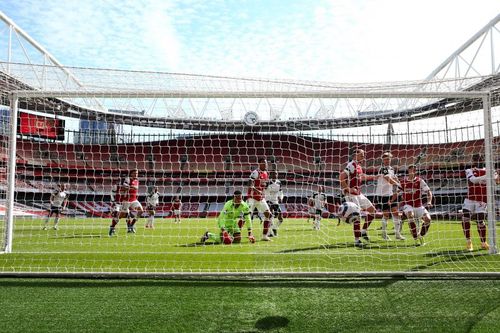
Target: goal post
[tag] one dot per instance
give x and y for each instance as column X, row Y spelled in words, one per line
column 490, row 170
column 207, row 159
column 11, row 174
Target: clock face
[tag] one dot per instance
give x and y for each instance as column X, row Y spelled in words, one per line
column 251, row 118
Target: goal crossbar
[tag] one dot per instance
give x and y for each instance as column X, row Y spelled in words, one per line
column 247, row 94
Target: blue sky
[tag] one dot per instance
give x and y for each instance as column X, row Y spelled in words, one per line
column 340, row 41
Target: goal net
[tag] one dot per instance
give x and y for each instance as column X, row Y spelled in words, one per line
column 136, row 172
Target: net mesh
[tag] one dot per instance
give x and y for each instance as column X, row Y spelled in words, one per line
column 197, row 148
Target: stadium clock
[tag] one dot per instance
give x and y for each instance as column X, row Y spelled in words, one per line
column 251, row 118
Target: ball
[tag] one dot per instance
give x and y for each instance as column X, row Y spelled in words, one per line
column 348, row 209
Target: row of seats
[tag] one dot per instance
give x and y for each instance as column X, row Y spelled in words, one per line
column 189, row 209
column 234, row 152
column 438, row 186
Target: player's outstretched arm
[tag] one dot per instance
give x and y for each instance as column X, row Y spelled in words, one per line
column 429, row 198
column 344, row 185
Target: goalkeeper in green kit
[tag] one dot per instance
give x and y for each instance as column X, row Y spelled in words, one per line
column 231, row 219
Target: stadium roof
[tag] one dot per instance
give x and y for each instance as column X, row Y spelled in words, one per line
column 430, row 107
column 213, row 103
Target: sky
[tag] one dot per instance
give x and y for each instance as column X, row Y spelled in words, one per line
column 321, row 40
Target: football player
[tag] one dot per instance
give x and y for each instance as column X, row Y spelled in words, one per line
column 58, row 203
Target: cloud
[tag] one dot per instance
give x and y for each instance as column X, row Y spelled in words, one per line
column 341, row 41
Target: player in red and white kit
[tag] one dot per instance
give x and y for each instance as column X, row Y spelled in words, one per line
column 412, row 187
column 350, row 183
column 177, row 209
column 475, row 205
column 256, row 197
column 116, row 205
column 130, row 202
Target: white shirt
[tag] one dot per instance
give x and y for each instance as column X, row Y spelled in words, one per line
column 114, row 190
column 57, row 199
column 384, row 188
column 273, row 192
column 153, row 199
column 319, row 200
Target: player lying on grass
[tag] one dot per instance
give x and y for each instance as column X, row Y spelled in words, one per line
column 231, row 219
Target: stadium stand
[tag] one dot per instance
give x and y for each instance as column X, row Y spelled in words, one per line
column 205, row 170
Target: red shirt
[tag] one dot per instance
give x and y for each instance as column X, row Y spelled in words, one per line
column 260, row 178
column 129, row 189
column 354, row 172
column 133, row 190
column 476, row 192
column 412, row 191
column 176, row 205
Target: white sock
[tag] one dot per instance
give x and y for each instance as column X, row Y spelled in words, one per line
column 397, row 225
column 384, row 224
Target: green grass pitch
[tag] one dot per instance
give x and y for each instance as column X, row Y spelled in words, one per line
column 231, row 304
column 83, row 245
column 362, row 305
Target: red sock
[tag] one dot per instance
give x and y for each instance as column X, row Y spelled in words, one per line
column 413, row 228
column 481, row 229
column 357, row 229
column 466, row 228
column 267, row 224
column 368, row 220
column 425, row 228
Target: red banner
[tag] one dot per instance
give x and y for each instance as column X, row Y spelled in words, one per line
column 44, row 127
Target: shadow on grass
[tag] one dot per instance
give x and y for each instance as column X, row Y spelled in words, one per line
column 350, row 245
column 220, row 282
column 271, row 323
column 482, row 313
column 198, row 244
column 458, row 253
column 447, row 257
column 77, row 236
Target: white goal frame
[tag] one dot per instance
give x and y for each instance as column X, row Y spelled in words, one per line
column 14, row 97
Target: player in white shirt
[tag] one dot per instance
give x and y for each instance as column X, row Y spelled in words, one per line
column 58, row 203
column 319, row 200
column 152, row 201
column 386, row 198
column 310, row 209
column 274, row 197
